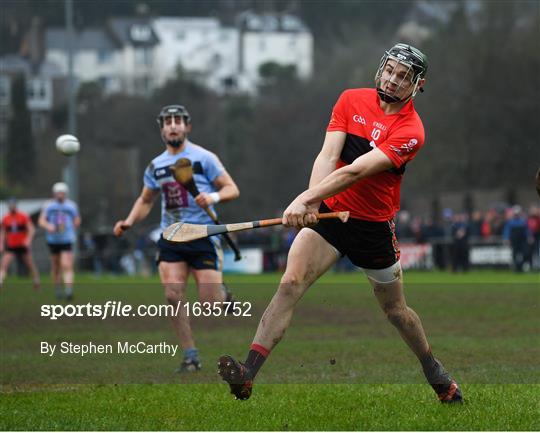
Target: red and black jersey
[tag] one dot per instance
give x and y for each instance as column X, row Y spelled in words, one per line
column 16, row 228
column 400, row 136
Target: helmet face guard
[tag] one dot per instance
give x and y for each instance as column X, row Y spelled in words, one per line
column 414, row 69
column 173, row 111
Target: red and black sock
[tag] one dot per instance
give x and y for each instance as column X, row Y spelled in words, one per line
column 255, row 359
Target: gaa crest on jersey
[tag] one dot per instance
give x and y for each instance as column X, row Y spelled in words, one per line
column 359, row 119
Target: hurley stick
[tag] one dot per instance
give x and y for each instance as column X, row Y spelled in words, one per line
column 183, row 173
column 184, row 232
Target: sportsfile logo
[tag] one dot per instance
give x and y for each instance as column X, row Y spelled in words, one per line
column 120, row 309
column 405, row 148
column 359, row 119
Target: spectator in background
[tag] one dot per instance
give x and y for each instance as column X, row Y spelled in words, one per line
column 100, row 244
column 434, row 234
column 460, row 243
column 403, row 228
column 16, row 234
column 447, row 222
column 416, row 229
column 88, row 251
column 476, row 224
column 499, row 220
column 538, row 182
column 141, row 245
column 486, row 229
column 533, row 221
column 516, row 234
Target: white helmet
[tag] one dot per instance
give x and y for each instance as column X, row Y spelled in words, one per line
column 60, row 187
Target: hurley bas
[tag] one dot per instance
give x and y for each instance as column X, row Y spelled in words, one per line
column 121, row 347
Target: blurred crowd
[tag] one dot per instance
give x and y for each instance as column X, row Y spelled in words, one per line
column 105, row 253
column 451, row 236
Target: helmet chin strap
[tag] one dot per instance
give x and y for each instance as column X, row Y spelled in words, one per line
column 392, row 99
column 387, row 98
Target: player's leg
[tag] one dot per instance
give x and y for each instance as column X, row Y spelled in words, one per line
column 55, row 270
column 174, row 277
column 206, row 263
column 388, row 288
column 310, row 256
column 68, row 274
column 7, row 258
column 29, row 262
column 210, row 285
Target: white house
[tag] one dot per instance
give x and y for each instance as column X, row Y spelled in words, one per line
column 264, row 38
column 201, row 47
column 96, row 58
column 120, row 56
column 39, row 90
column 136, row 55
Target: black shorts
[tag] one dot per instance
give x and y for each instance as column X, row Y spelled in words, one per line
column 199, row 254
column 18, row 251
column 368, row 244
column 58, row 248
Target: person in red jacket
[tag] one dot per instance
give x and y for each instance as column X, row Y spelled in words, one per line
column 372, row 135
column 16, row 234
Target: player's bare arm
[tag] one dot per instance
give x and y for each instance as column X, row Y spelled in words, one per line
column 43, row 223
column 326, row 161
column 324, row 164
column 2, row 238
column 140, row 210
column 31, row 233
column 301, row 212
column 226, row 189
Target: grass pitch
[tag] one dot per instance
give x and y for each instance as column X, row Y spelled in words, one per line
column 483, row 325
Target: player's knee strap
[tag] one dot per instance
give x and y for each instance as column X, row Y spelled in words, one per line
column 386, row 275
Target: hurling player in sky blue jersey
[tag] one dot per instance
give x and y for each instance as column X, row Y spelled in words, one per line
column 203, row 257
column 60, row 218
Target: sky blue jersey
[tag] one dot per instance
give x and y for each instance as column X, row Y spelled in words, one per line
column 177, row 204
column 62, row 215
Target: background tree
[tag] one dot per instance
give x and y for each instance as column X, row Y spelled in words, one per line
column 480, row 107
column 20, row 154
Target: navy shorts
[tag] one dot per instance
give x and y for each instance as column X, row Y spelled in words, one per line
column 18, row 251
column 368, row 244
column 58, row 248
column 199, row 254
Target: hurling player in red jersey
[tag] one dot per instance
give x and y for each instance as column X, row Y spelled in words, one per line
column 16, row 234
column 372, row 135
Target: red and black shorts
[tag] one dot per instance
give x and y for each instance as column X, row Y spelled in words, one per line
column 368, row 244
column 18, row 251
